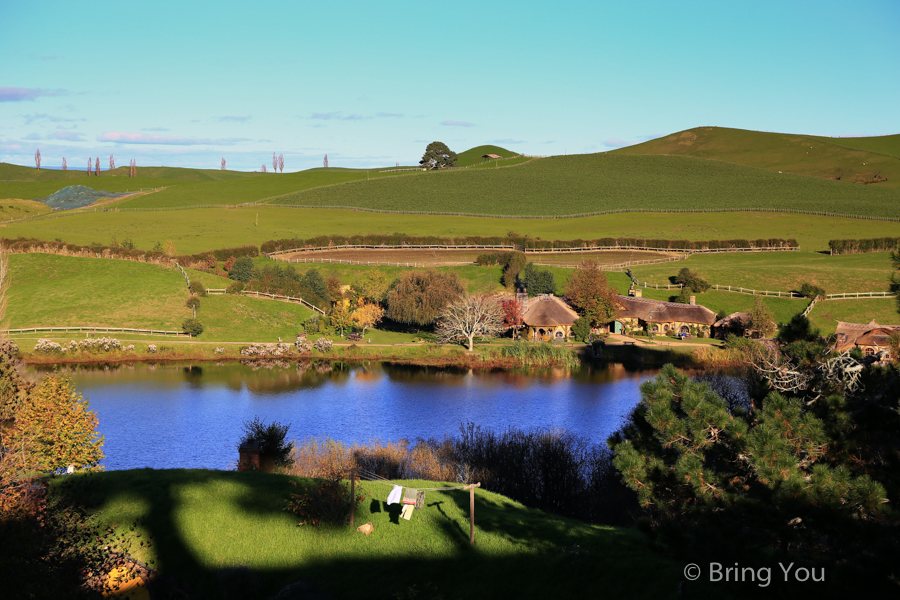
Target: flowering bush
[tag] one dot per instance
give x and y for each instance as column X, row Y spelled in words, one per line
column 266, row 350
column 48, row 347
column 322, row 344
column 151, row 348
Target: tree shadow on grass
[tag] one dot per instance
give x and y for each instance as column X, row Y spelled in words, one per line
column 518, row 552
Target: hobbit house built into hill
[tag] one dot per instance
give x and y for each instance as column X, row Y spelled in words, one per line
column 548, row 318
column 662, row 318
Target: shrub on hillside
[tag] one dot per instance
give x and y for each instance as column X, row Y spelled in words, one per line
column 691, row 279
column 242, row 269
column 192, row 326
column 812, row 291
column 272, row 440
column 197, row 287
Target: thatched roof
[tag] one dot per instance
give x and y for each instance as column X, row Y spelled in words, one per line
column 548, row 311
column 857, row 334
column 491, row 156
column 738, row 320
column 654, row 311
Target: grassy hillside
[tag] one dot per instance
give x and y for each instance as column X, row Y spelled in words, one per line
column 20, row 209
column 825, row 315
column 48, row 290
column 850, row 159
column 9, row 172
column 250, row 189
column 201, row 230
column 226, row 534
column 568, row 185
column 30, row 190
column 884, row 144
column 472, row 156
column 782, row 271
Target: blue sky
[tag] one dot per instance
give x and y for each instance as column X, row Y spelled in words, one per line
column 370, row 84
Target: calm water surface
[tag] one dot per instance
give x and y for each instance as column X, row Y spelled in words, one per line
column 168, row 416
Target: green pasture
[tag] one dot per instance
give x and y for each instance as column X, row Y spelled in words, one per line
column 200, row 230
column 883, row 144
column 821, row 157
column 472, row 156
column 569, row 185
column 226, row 534
column 21, row 209
column 250, row 189
column 32, row 190
column 825, row 315
column 9, row 172
column 233, row 318
column 781, row 271
column 49, row 290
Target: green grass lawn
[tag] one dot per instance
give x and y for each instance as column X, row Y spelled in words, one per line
column 825, row 315
column 226, row 534
column 49, row 290
column 21, row 209
column 570, row 185
column 791, row 153
column 472, row 156
column 200, row 230
column 250, row 189
column 782, row 271
column 31, row 190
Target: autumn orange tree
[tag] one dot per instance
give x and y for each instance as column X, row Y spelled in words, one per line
column 56, row 428
column 590, row 294
column 367, row 315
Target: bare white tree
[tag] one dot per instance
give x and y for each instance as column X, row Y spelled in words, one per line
column 274, row 163
column 281, row 163
column 112, row 162
column 90, row 164
column 222, row 164
column 97, row 168
column 37, row 158
column 64, row 163
column 326, row 161
column 469, row 317
column 264, row 168
column 132, row 168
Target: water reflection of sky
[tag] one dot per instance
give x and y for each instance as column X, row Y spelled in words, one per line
column 176, row 416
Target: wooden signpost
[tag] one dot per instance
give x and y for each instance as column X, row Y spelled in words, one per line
column 471, row 489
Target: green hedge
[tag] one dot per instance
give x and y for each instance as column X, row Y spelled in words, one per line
column 862, row 246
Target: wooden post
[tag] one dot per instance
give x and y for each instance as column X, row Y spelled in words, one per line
column 471, row 489
column 352, row 471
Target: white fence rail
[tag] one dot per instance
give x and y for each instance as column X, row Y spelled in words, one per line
column 97, row 330
column 284, row 299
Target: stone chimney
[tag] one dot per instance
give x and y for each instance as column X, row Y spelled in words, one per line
column 693, row 300
column 638, row 293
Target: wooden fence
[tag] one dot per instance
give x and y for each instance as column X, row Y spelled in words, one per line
column 284, row 299
column 398, row 247
column 98, row 330
column 373, row 263
column 852, row 295
column 649, row 249
column 617, row 266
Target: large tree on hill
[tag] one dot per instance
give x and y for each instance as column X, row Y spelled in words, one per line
column 418, row 297
column 590, row 294
column 438, row 156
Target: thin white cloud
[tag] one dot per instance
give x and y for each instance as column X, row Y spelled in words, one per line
column 336, row 116
column 16, row 94
column 69, row 136
column 32, row 136
column 155, row 129
column 457, row 124
column 122, row 137
column 29, row 119
column 615, row 143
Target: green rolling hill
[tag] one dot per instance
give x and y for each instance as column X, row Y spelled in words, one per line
column 855, row 160
column 472, row 156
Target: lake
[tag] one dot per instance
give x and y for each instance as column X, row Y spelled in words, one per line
column 191, row 416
